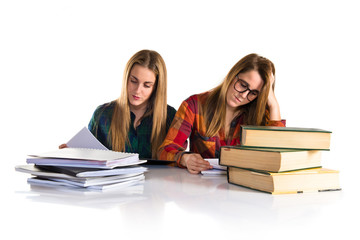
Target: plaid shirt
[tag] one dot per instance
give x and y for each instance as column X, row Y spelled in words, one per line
column 140, row 138
column 189, row 122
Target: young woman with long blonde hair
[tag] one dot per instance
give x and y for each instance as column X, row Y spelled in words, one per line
column 212, row 119
column 138, row 120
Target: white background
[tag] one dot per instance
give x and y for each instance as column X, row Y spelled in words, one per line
column 59, row 60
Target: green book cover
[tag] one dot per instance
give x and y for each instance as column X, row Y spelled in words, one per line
column 264, row 149
column 292, row 129
column 285, row 137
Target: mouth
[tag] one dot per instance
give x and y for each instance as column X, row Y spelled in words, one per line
column 237, row 99
column 135, row 97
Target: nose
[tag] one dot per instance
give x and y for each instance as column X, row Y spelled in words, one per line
column 137, row 88
column 244, row 94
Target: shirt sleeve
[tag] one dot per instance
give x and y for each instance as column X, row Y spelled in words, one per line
column 281, row 123
column 268, row 122
column 170, row 117
column 94, row 123
column 176, row 141
column 100, row 123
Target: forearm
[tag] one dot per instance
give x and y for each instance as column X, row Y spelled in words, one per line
column 274, row 108
column 275, row 112
column 170, row 151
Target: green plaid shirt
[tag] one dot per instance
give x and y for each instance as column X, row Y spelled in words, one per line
column 140, row 138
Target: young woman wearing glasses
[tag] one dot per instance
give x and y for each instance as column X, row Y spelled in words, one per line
column 212, row 119
column 138, row 120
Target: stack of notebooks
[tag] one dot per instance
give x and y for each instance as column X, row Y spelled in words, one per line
column 86, row 168
column 280, row 160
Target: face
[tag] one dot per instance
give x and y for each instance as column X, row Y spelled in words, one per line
column 250, row 80
column 141, row 84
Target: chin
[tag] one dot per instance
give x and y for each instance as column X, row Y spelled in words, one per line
column 232, row 104
column 135, row 103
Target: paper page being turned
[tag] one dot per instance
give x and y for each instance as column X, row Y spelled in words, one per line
column 216, row 170
column 85, row 139
column 214, row 162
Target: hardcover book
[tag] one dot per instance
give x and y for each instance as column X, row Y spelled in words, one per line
column 285, row 137
column 269, row 159
column 308, row 180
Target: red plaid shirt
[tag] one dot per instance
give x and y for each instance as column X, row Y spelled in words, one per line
column 189, row 123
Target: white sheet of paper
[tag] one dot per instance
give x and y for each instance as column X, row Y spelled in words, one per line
column 215, row 163
column 85, row 139
column 214, row 171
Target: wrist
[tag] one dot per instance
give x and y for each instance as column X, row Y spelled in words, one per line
column 183, row 159
column 273, row 105
column 271, row 101
column 274, row 112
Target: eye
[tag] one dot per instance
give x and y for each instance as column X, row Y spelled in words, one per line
column 243, row 84
column 147, row 86
column 254, row 93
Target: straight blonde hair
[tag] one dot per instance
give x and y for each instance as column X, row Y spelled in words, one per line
column 215, row 105
column 157, row 106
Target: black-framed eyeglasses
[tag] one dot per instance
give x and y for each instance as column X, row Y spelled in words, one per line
column 242, row 86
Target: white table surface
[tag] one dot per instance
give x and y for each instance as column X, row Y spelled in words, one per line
column 174, row 204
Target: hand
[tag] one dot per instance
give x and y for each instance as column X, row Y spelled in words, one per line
column 63, row 146
column 194, row 163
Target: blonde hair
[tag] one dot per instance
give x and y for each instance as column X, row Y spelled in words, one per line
column 157, row 106
column 215, row 105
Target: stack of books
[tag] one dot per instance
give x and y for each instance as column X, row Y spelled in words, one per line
column 86, row 168
column 280, row 160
